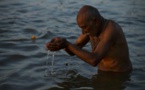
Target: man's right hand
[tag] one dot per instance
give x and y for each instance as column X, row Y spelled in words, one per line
column 56, row 44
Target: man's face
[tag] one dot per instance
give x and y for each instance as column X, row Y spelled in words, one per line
column 89, row 27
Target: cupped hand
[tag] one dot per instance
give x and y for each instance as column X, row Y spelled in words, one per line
column 56, row 44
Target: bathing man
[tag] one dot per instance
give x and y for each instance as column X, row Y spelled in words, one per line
column 109, row 47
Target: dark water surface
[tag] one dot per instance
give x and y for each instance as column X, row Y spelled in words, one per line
column 23, row 61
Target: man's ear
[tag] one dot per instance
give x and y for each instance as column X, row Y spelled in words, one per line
column 96, row 20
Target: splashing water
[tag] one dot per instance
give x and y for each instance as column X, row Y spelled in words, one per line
column 51, row 72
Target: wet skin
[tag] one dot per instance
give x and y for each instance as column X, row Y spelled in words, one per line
column 109, row 46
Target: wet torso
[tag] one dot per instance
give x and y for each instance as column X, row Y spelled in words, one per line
column 117, row 58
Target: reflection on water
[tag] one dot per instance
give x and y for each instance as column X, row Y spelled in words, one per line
column 100, row 81
column 110, row 80
column 23, row 61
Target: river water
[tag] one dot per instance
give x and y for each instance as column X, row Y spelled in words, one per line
column 23, row 60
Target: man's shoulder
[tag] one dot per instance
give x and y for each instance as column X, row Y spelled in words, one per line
column 112, row 24
column 110, row 31
column 111, row 27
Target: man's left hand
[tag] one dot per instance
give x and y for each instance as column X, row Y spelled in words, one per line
column 56, row 44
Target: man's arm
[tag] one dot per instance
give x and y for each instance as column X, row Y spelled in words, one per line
column 81, row 41
column 93, row 58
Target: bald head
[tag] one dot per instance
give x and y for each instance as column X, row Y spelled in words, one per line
column 87, row 13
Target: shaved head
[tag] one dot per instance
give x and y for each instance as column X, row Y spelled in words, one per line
column 87, row 13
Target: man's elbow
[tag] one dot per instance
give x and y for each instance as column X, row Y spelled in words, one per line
column 72, row 54
column 94, row 62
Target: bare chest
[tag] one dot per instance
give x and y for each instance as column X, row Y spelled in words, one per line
column 94, row 42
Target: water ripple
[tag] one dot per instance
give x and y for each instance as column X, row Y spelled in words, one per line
column 23, row 60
